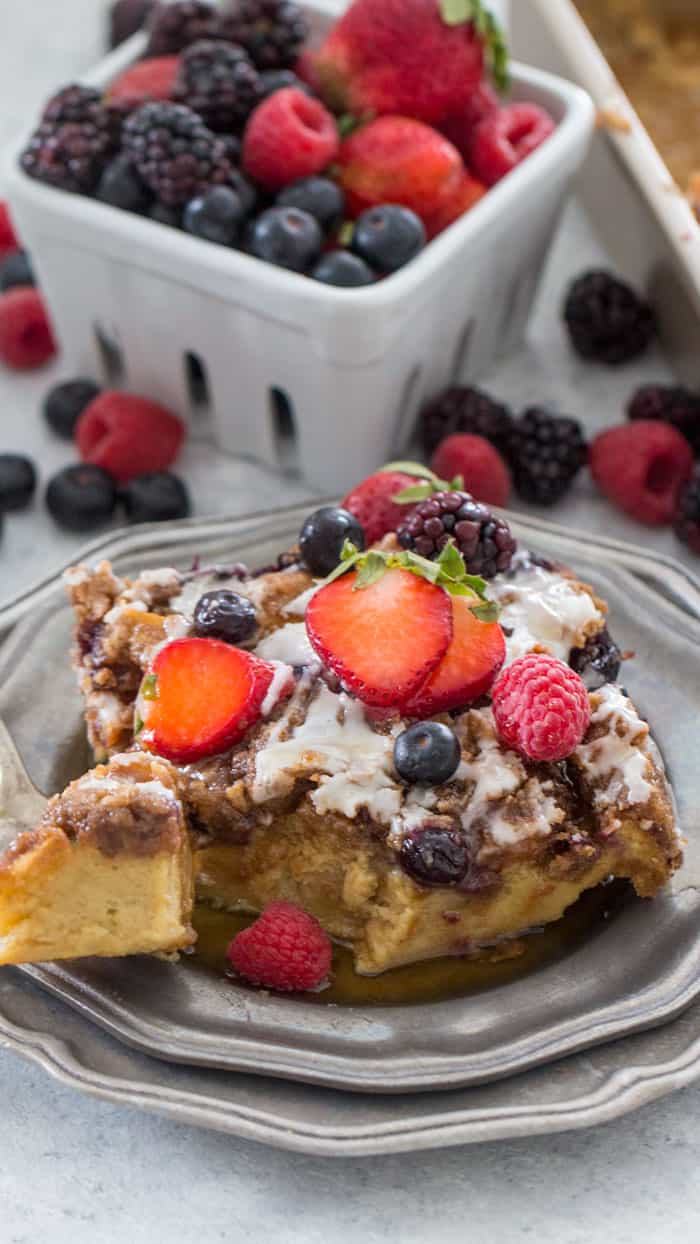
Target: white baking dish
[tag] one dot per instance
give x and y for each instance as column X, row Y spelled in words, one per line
column 158, row 309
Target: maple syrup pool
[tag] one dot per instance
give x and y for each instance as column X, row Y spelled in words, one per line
column 436, row 979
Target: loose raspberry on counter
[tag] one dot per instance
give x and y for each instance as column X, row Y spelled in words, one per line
column 642, row 468
column 541, row 707
column 284, row 949
column 372, row 502
column 128, row 436
column 289, row 136
column 9, row 242
column 26, row 337
column 503, row 140
column 483, row 471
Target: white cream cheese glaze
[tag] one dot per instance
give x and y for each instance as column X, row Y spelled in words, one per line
column 543, row 608
column 290, row 643
column 618, row 763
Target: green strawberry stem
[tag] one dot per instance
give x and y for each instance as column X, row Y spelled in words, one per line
column 430, row 482
column 457, row 12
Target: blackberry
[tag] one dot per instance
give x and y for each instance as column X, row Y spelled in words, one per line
column 485, row 542
column 687, row 521
column 671, row 403
column 77, row 136
column 176, row 26
column 547, row 452
column 606, row 319
column 271, row 31
column 126, row 17
column 82, row 105
column 466, row 409
column 174, row 152
column 598, row 661
column 220, row 82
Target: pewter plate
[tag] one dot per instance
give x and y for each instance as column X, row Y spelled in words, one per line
column 640, row 971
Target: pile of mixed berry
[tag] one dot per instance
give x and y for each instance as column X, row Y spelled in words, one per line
column 339, row 162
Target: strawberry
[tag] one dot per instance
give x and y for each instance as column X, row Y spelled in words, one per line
column 144, row 81
column 200, row 697
column 460, row 127
column 382, row 640
column 454, row 206
column 469, row 667
column 372, row 502
column 398, row 160
column 402, row 56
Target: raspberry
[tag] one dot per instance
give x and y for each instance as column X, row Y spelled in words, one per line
column 128, row 436
column 26, row 339
column 503, row 140
column 8, row 238
column 459, row 129
column 642, row 467
column 271, row 31
column 670, row 403
column 289, row 136
column 606, row 319
column 485, row 542
column 483, row 471
column 175, row 153
column 76, row 137
column 146, row 80
column 176, row 26
column 126, row 17
column 541, row 707
column 284, row 949
column 466, row 409
column 372, row 502
column 547, row 453
column 218, row 81
column 687, row 520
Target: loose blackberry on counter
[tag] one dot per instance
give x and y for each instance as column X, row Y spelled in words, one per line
column 176, row 26
column 175, row 153
column 547, row 452
column 464, row 408
column 219, row 82
column 671, row 403
column 74, row 141
column 606, row 319
column 271, row 31
column 687, row 522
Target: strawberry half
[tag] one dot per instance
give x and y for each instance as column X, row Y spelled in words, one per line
column 200, row 697
column 468, row 668
column 383, row 640
column 372, row 502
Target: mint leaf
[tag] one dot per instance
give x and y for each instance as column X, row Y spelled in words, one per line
column 418, row 492
column 451, row 562
column 410, row 468
column 371, row 568
column 486, row 612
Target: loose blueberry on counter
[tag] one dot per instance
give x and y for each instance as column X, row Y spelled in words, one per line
column 121, row 186
column 427, row 754
column 81, row 497
column 323, row 535
column 388, row 236
column 155, row 498
column 225, row 615
column 17, row 481
column 65, row 403
column 272, row 80
column 435, row 856
column 320, row 197
column 164, row 215
column 342, row 269
column 286, row 237
column 216, row 216
column 16, row 270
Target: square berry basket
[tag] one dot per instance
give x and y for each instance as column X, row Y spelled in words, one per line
column 280, row 368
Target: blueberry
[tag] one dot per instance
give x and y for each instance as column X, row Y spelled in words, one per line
column 323, row 536
column 598, row 661
column 388, row 236
column 81, row 497
column 427, row 753
column 17, row 481
column 279, row 80
column 342, row 269
column 225, row 615
column 215, row 216
column 16, row 270
column 435, row 856
column 320, row 197
column 245, row 190
column 286, row 237
column 65, row 403
column 121, row 186
column 165, row 215
column 155, row 498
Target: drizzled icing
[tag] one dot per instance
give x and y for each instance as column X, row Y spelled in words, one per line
column 290, row 643
column 542, row 607
column 617, row 763
column 190, row 592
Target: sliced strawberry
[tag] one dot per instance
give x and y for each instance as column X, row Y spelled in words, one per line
column 200, row 697
column 372, row 503
column 468, row 668
column 146, row 80
column 383, row 640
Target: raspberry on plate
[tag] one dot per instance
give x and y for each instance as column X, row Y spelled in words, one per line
column 289, row 136
column 128, row 436
column 146, row 80
column 483, row 471
column 26, row 338
column 642, row 467
column 373, row 503
column 398, row 160
column 503, row 140
column 284, row 949
column 8, row 238
column 541, row 707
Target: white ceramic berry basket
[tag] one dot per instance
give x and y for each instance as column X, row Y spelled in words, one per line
column 286, row 370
